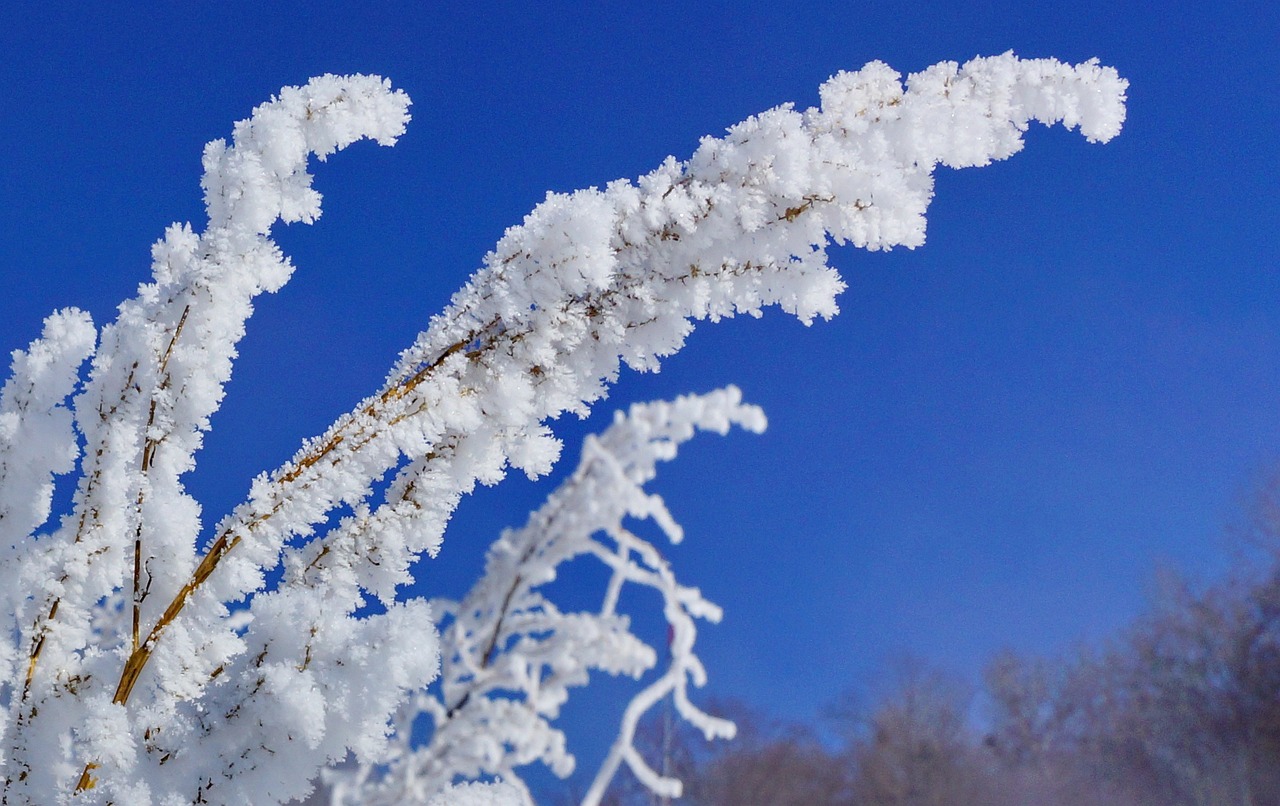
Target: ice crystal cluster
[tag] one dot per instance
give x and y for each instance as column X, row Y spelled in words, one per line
column 152, row 656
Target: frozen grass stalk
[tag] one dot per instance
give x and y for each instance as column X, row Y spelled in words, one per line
column 143, row 664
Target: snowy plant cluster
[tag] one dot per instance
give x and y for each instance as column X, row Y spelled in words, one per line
column 153, row 656
column 510, row 656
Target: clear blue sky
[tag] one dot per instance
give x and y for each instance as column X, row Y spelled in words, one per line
column 997, row 442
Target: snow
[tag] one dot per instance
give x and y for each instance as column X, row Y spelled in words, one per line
column 126, row 673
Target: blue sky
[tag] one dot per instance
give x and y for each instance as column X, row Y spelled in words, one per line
column 996, row 444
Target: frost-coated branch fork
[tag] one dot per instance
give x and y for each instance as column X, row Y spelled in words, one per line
column 511, row 656
column 138, row 668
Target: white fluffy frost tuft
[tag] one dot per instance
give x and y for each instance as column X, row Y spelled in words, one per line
column 145, row 659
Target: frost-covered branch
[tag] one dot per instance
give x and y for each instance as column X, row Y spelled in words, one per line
column 142, row 663
column 37, row 442
column 510, row 656
column 601, row 277
column 159, row 371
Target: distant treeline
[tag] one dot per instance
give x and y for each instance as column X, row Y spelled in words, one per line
column 1183, row 707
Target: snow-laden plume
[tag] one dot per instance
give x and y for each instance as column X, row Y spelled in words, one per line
column 510, row 655
column 143, row 663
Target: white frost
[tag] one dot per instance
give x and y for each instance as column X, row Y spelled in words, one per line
column 144, row 664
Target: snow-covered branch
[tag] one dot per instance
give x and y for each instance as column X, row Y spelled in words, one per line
column 142, row 663
column 510, row 655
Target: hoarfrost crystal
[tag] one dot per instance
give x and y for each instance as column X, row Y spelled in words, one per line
column 143, row 664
